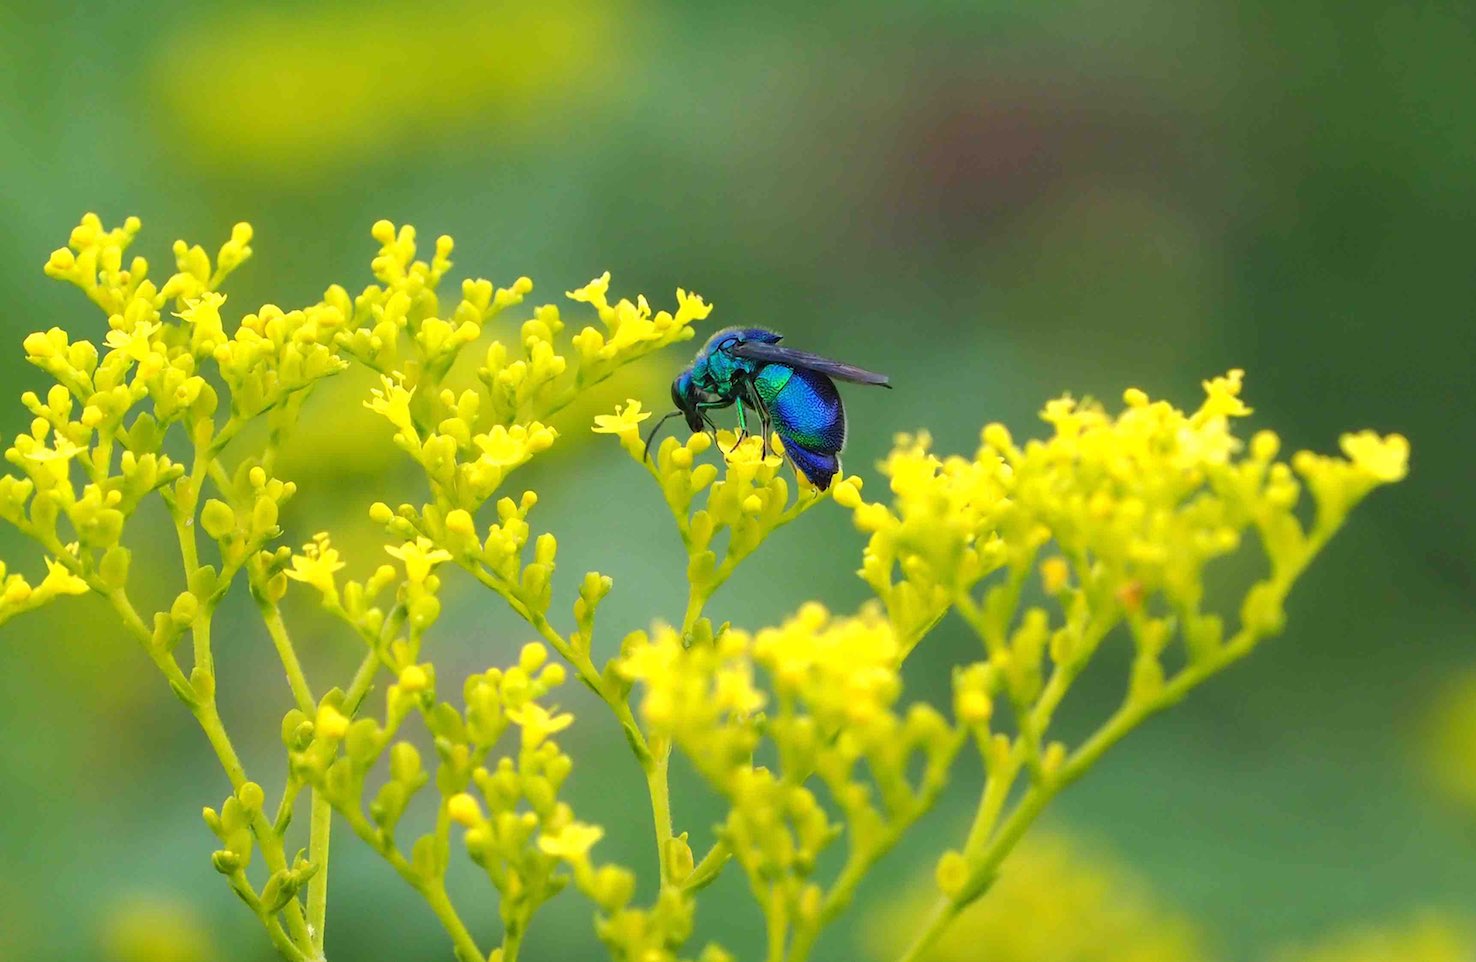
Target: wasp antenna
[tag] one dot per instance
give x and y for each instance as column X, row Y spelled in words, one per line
column 652, row 436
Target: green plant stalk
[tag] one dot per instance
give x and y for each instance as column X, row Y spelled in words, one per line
column 432, row 890
column 302, row 692
column 659, row 787
column 986, row 849
column 189, row 552
column 512, row 943
column 777, row 918
column 320, row 826
column 208, row 718
column 654, row 754
column 583, row 666
column 272, row 851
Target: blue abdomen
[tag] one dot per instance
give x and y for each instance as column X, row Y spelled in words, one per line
column 807, row 413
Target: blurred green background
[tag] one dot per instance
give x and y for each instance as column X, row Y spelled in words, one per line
column 992, row 202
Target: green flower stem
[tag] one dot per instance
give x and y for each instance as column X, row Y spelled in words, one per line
column 290, row 791
column 302, row 692
column 512, row 943
column 272, row 851
column 164, row 660
column 317, row 894
column 777, row 918
column 183, row 511
column 358, row 689
column 282, row 942
column 659, row 786
column 208, row 718
column 580, row 661
column 278, row 936
column 321, row 825
column 985, row 850
column 860, row 861
column 432, row 890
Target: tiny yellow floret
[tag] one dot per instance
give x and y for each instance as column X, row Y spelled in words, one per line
column 413, row 678
column 464, row 810
column 331, row 722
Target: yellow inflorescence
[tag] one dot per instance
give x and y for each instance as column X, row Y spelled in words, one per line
column 1043, row 547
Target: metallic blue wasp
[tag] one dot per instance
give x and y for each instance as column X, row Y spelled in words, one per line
column 790, row 391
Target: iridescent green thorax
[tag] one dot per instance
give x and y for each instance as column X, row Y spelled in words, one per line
column 718, row 371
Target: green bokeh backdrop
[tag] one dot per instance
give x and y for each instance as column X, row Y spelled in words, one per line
column 993, row 202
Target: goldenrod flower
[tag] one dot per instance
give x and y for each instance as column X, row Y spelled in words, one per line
column 802, row 728
column 624, row 424
column 1384, row 459
column 60, row 580
column 317, row 565
column 420, row 557
column 538, row 723
column 571, row 843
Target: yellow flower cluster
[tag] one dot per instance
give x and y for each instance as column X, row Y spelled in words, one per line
column 1120, row 516
column 830, row 714
column 801, row 727
column 741, row 506
column 516, row 829
column 17, row 595
column 172, row 361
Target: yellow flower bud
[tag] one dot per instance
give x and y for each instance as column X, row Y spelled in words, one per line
column 974, row 707
column 464, row 810
column 846, row 494
column 952, row 873
column 413, row 678
column 331, row 722
column 1054, row 573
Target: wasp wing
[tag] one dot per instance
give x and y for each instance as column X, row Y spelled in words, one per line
column 774, row 354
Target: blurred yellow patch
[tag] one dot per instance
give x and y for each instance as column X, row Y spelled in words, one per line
column 1426, row 939
column 1450, row 741
column 293, row 92
column 155, row 928
column 1055, row 901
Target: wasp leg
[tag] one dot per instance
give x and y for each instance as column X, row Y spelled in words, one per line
column 712, row 429
column 766, row 421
